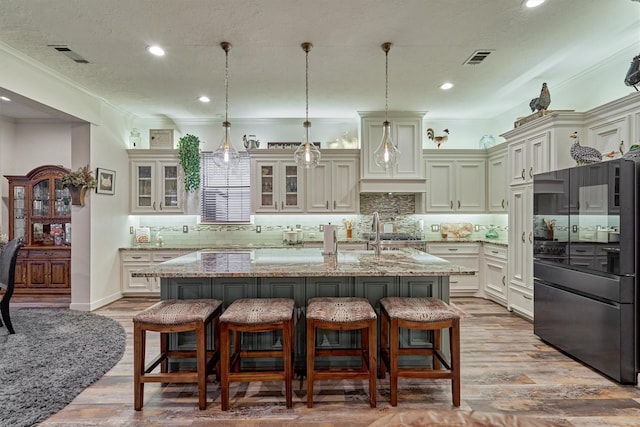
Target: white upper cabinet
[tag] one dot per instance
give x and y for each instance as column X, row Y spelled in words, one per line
column 613, row 124
column 156, row 185
column 497, row 183
column 332, row 185
column 277, row 183
column 456, row 180
column 406, row 133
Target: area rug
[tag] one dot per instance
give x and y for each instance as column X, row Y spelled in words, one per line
column 52, row 357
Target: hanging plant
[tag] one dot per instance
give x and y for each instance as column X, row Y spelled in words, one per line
column 189, row 158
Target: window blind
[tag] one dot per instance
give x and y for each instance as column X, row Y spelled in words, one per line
column 226, row 193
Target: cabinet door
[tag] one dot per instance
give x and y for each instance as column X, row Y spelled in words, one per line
column 497, row 183
column 284, row 287
column 406, row 133
column 143, row 186
column 37, row 272
column 168, row 197
column 59, row 275
column 319, row 194
column 440, row 186
column 470, row 186
column 344, row 186
column 291, row 186
column 538, row 154
column 21, row 273
column 518, row 162
column 608, row 135
column 520, row 270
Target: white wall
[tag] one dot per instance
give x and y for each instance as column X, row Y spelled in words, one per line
column 98, row 139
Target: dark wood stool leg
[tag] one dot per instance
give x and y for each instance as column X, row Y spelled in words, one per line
column 455, row 360
column 384, row 342
column 394, row 351
column 372, row 351
column 311, row 348
column 216, row 343
column 201, row 363
column 224, row 365
column 437, row 341
column 138, row 366
column 287, row 349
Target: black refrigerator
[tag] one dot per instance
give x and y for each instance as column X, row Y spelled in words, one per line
column 586, row 225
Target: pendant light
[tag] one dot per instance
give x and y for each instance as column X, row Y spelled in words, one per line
column 386, row 155
column 307, row 154
column 226, row 156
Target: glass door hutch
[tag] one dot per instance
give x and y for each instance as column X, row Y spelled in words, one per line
column 40, row 213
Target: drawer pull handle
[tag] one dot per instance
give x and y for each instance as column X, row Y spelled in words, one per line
column 531, row 172
column 527, row 297
column 453, row 249
column 523, row 234
column 136, row 257
column 581, row 250
column 494, row 252
column 530, row 237
column 502, row 203
column 503, row 280
column 522, row 174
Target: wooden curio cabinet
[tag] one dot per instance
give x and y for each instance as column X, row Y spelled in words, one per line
column 40, row 213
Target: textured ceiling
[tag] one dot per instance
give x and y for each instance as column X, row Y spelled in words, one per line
column 431, row 39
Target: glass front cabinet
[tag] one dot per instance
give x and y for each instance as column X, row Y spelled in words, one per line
column 40, row 214
column 279, row 184
column 155, row 184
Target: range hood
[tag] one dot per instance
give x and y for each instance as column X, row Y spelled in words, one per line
column 391, row 185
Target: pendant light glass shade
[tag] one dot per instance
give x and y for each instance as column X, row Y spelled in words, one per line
column 307, row 154
column 386, row 155
column 225, row 155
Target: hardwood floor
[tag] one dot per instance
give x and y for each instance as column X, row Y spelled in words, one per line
column 506, row 370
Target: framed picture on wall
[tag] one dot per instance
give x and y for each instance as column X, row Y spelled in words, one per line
column 106, row 181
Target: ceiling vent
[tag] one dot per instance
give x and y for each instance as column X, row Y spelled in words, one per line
column 477, row 57
column 64, row 49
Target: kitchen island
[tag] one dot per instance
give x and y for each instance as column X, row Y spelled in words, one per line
column 300, row 274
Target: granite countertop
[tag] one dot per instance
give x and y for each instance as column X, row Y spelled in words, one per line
column 302, row 262
column 274, row 245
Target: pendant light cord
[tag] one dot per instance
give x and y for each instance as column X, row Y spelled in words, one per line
column 386, row 83
column 226, row 83
column 307, row 83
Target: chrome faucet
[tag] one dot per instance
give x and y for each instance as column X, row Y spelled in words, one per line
column 375, row 225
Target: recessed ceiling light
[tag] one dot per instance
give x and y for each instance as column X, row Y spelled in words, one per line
column 4, row 98
column 155, row 50
column 204, row 99
column 532, row 3
column 446, row 86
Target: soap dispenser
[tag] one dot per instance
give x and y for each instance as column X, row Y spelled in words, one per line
column 492, row 233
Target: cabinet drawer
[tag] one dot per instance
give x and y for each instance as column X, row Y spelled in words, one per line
column 463, row 283
column 454, row 248
column 495, row 251
column 162, row 256
column 49, row 254
column 521, row 301
column 136, row 256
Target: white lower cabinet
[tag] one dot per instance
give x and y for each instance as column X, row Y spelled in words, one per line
column 133, row 260
column 466, row 255
column 494, row 272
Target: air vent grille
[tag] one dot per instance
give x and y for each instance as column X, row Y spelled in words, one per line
column 64, row 49
column 477, row 57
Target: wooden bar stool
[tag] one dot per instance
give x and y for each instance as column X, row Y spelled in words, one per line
column 172, row 316
column 342, row 314
column 256, row 315
column 426, row 314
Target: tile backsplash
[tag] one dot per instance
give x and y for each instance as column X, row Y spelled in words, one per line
column 270, row 228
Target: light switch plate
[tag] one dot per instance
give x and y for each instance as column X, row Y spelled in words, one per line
column 185, row 228
column 258, row 229
column 476, row 227
column 435, row 227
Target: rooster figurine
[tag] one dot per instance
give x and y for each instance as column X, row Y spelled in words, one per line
column 585, row 155
column 438, row 140
column 542, row 102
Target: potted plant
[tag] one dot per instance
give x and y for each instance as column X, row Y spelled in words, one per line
column 78, row 182
column 189, row 158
